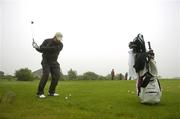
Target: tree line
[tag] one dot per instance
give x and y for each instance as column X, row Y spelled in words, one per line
column 72, row 75
column 25, row 74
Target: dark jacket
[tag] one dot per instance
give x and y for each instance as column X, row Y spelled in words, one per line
column 50, row 50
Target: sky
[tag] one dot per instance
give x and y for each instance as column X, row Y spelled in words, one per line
column 96, row 33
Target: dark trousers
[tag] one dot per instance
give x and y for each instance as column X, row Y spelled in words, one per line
column 55, row 74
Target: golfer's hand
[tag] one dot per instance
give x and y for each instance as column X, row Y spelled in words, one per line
column 34, row 44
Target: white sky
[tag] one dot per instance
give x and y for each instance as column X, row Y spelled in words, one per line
column 96, row 33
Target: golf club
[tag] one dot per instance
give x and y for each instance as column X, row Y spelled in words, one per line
column 32, row 31
column 149, row 45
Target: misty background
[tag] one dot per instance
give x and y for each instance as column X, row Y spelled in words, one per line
column 96, row 33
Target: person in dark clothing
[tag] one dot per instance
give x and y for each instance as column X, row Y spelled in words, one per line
column 112, row 74
column 50, row 50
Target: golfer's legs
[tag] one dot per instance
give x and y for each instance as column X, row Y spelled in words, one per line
column 55, row 73
column 44, row 78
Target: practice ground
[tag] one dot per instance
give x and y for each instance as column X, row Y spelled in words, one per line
column 86, row 100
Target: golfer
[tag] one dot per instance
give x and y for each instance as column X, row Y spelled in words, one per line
column 50, row 50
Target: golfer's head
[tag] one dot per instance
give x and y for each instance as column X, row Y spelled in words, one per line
column 58, row 36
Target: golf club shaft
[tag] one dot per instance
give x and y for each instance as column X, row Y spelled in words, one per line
column 32, row 31
column 149, row 45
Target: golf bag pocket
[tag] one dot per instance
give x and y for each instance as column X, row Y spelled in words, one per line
column 151, row 93
column 146, row 79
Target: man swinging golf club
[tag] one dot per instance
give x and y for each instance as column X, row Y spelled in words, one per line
column 50, row 50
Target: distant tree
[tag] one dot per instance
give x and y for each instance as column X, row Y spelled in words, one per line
column 120, row 76
column 65, row 77
column 101, row 78
column 112, row 74
column 9, row 77
column 108, row 77
column 90, row 76
column 126, row 76
column 80, row 77
column 72, row 75
column 61, row 76
column 24, row 74
column 1, row 73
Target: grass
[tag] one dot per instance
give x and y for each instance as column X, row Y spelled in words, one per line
column 88, row 100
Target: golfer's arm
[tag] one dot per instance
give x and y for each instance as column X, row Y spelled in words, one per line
column 45, row 48
column 48, row 49
column 41, row 47
column 39, row 50
column 51, row 48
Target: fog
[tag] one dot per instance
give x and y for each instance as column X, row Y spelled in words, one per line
column 96, row 33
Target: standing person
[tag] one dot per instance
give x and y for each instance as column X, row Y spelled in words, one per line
column 112, row 74
column 50, row 50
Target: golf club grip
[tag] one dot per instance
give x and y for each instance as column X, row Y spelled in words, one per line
column 149, row 45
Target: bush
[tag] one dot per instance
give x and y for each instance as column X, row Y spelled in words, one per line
column 101, row 78
column 65, row 77
column 108, row 77
column 80, row 77
column 8, row 77
column 90, row 76
column 72, row 75
column 24, row 75
column 119, row 77
column 1, row 73
column 62, row 76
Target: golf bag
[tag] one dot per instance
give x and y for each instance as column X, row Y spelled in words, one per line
column 148, row 85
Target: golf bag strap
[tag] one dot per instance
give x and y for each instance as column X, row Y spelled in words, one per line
column 159, row 84
column 146, row 78
column 139, row 83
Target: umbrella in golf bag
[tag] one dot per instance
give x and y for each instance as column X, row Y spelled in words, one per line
column 148, row 85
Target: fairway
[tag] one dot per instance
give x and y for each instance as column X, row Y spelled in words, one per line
column 101, row 99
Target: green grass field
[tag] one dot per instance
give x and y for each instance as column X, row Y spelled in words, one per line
column 89, row 100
